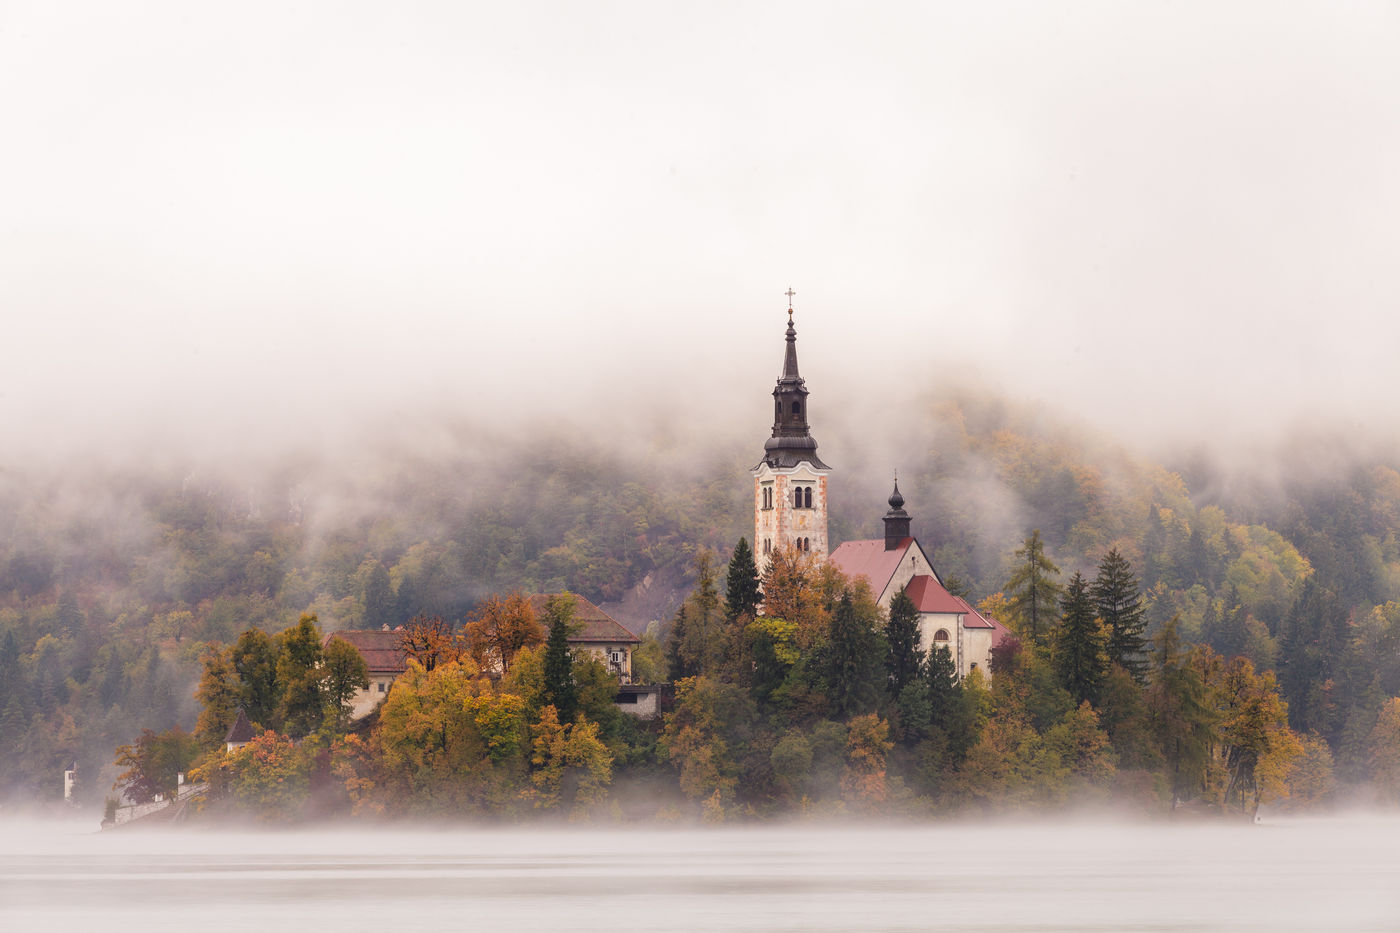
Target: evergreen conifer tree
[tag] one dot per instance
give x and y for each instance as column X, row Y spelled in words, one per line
column 1119, row 605
column 1079, row 646
column 853, row 661
column 1033, row 591
column 902, row 635
column 559, row 688
column 942, row 676
column 675, row 640
column 742, row 593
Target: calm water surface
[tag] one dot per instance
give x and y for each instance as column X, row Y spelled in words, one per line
column 1335, row 874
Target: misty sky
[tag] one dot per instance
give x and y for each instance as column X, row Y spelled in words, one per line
column 263, row 220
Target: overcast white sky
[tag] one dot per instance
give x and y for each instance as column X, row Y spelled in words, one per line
column 260, row 219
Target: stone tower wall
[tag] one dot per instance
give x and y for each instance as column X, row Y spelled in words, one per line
column 782, row 525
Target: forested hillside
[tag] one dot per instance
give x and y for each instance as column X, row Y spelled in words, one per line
column 115, row 583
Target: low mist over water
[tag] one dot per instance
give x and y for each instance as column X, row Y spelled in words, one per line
column 1278, row 875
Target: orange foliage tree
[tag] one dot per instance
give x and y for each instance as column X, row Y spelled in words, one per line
column 497, row 632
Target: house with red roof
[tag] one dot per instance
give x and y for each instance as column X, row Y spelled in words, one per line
column 898, row 562
column 384, row 658
column 594, row 631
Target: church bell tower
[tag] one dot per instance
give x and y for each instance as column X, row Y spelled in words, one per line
column 789, row 483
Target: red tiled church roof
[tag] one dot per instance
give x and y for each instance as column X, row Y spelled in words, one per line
column 929, row 596
column 869, row 559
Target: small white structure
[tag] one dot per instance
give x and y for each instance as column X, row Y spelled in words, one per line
column 70, row 781
column 239, row 735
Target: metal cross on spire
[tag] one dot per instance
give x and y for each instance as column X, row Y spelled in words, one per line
column 789, row 294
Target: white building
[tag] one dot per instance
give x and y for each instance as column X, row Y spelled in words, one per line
column 897, row 563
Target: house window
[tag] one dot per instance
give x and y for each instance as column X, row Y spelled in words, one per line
column 941, row 635
column 381, row 686
column 807, row 497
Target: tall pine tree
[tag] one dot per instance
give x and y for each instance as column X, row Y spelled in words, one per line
column 1033, row 591
column 853, row 665
column 1119, row 605
column 943, row 685
column 559, row 688
column 1079, row 645
column 902, row 634
column 741, row 586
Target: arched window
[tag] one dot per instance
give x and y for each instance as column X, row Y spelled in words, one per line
column 806, row 544
column 797, row 408
column 807, row 498
column 797, row 497
column 941, row 635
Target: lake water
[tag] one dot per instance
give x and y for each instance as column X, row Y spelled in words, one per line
column 1315, row 874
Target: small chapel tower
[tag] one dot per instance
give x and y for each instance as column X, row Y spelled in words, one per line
column 789, row 483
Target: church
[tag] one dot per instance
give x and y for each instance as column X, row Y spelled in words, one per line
column 790, row 489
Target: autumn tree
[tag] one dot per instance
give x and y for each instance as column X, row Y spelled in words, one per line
column 429, row 641
column 902, row 663
column 499, row 629
column 570, row 766
column 790, row 592
column 559, row 689
column 1079, row 644
column 154, row 763
column 1118, row 603
column 1255, row 745
column 706, row 735
column 269, row 779
column 863, row 783
column 1032, row 589
column 742, row 594
column 220, row 695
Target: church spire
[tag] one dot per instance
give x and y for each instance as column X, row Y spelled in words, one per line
column 790, row 482
column 790, row 357
column 792, row 441
column 896, row 520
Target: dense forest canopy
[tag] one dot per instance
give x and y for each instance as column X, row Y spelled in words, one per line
column 115, row 583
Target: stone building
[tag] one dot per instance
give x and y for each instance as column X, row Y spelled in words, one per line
column 790, row 482
column 384, row 661
column 790, row 488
